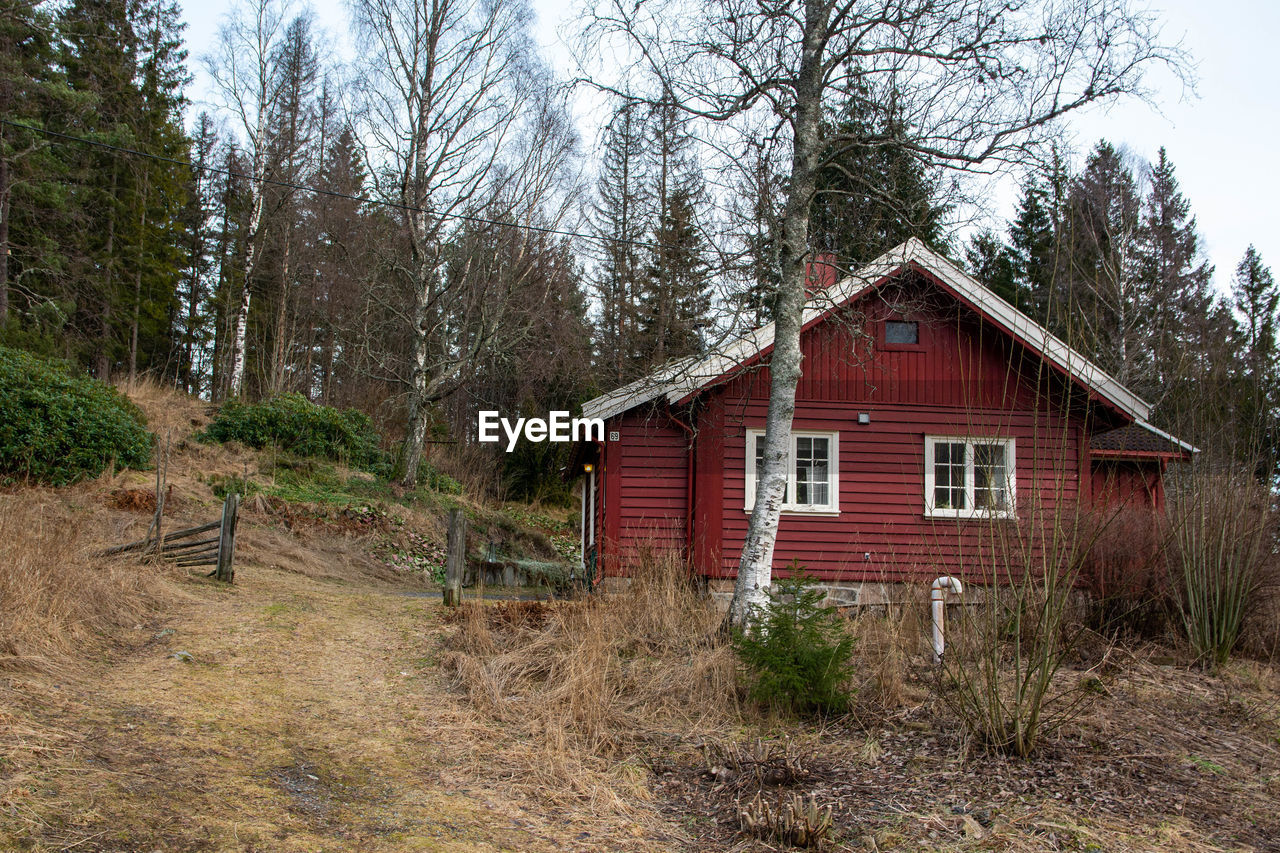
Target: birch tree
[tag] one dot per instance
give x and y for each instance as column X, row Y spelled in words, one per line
column 249, row 87
column 449, row 89
column 976, row 80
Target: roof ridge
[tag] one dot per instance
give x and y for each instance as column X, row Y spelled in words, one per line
column 674, row 382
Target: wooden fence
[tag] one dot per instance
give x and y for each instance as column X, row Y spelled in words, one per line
column 212, row 544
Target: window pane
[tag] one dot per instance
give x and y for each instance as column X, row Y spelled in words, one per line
column 948, row 475
column 990, row 479
column 812, row 470
column 897, row 332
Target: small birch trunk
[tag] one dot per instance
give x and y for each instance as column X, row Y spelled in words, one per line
column 420, row 382
column 416, row 438
column 755, row 566
column 241, row 327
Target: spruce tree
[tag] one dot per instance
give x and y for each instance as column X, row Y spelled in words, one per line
column 675, row 301
column 992, row 263
column 290, row 140
column 125, row 63
column 873, row 191
column 622, row 218
column 1107, row 311
column 193, row 333
column 1175, row 277
column 32, row 90
column 159, row 205
column 1033, row 247
column 1256, row 300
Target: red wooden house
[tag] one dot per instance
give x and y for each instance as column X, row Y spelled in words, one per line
column 929, row 411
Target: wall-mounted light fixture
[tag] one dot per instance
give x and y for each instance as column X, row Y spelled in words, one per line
column 588, row 468
column 864, row 418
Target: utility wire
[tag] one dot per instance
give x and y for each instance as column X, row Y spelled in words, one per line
column 479, row 220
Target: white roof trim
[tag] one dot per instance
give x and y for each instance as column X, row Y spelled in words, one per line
column 677, row 379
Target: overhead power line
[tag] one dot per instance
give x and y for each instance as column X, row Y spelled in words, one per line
column 462, row 217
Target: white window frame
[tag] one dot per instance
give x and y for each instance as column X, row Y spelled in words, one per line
column 831, row 508
column 971, row 510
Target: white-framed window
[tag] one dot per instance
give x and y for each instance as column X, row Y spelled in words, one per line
column 813, row 471
column 969, row 477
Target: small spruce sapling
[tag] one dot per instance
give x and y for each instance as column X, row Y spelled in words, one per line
column 797, row 657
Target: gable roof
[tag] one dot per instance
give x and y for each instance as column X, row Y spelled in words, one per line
column 679, row 379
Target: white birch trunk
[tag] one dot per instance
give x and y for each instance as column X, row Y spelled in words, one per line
column 755, row 566
column 241, row 326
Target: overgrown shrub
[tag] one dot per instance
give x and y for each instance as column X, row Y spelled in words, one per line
column 293, row 422
column 1001, row 669
column 58, row 427
column 1125, row 572
column 797, row 655
column 1222, row 541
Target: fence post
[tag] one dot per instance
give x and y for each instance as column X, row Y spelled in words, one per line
column 455, row 562
column 225, row 570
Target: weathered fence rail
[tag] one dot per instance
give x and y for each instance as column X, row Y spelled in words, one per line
column 183, row 546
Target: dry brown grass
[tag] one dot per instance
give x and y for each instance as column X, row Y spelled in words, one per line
column 169, row 412
column 589, row 685
column 56, row 595
column 889, row 645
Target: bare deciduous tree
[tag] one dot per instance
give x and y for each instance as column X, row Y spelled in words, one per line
column 458, row 117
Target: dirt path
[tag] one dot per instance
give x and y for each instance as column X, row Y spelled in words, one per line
column 286, row 713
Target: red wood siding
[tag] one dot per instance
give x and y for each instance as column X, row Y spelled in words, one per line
column 646, row 505
column 882, row 492
column 1118, row 483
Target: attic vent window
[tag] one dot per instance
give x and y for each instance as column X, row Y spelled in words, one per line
column 901, row 332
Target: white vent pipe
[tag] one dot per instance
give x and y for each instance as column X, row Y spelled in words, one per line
column 938, row 604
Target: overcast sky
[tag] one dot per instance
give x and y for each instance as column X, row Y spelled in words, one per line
column 1222, row 139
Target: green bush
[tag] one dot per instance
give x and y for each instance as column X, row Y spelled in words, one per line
column 294, row 423
column 58, row 427
column 797, row 655
column 438, row 481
